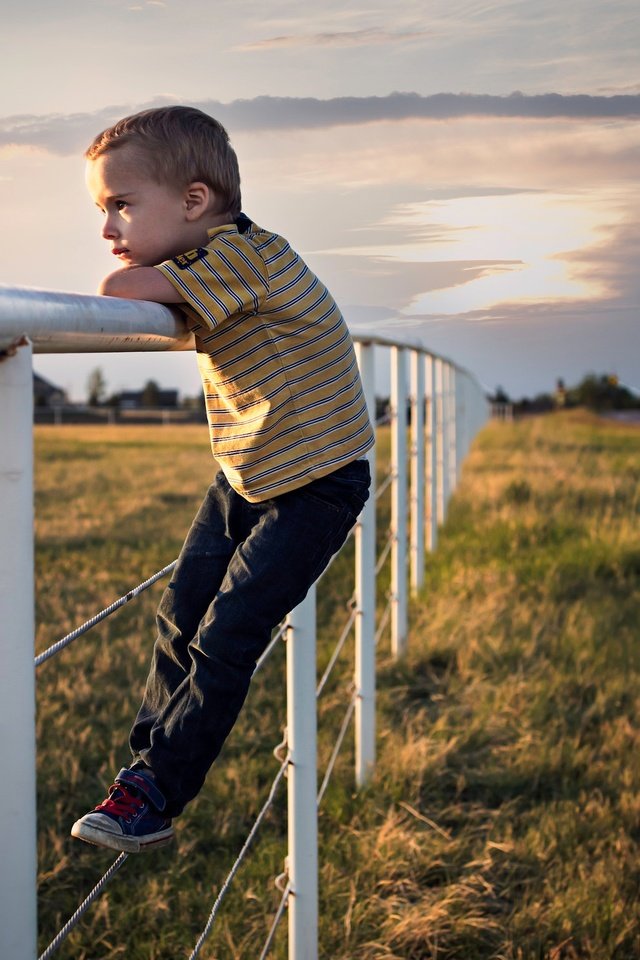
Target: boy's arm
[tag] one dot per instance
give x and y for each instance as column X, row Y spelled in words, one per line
column 139, row 283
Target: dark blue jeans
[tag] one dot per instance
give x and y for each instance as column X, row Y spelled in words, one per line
column 242, row 568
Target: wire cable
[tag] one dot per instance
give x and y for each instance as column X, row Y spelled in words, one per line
column 269, row 650
column 336, row 653
column 380, row 489
column 336, row 749
column 335, row 555
column 276, row 920
column 384, row 620
column 236, row 866
column 385, row 552
column 85, row 627
column 84, row 906
column 332, row 761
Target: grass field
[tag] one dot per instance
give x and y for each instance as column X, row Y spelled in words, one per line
column 504, row 818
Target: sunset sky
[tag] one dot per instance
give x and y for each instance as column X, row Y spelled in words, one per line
column 464, row 172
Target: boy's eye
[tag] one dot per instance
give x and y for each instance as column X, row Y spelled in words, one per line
column 121, row 204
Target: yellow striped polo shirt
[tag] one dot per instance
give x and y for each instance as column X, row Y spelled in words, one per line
column 283, row 393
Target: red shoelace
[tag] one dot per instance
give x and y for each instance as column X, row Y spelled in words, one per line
column 125, row 805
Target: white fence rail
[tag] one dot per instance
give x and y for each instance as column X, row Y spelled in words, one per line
column 445, row 408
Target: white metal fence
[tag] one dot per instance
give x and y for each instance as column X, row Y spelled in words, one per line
column 436, row 408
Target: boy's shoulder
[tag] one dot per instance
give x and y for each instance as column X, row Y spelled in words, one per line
column 243, row 231
column 239, row 267
column 246, row 242
column 242, row 236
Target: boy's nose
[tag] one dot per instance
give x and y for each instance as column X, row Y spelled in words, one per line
column 109, row 231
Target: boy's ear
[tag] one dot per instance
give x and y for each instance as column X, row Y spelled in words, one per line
column 197, row 200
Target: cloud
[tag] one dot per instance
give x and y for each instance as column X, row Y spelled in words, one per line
column 68, row 133
column 137, row 8
column 524, row 348
column 59, row 133
column 633, row 88
column 391, row 284
column 336, row 38
column 614, row 259
column 310, row 112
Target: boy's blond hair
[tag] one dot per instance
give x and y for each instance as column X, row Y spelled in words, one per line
column 183, row 145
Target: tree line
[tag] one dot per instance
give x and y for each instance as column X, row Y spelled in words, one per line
column 599, row 392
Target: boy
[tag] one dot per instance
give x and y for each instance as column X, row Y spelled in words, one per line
column 288, row 427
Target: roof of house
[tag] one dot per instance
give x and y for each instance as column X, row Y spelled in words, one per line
column 45, row 386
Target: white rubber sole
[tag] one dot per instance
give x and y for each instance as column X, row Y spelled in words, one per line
column 120, row 841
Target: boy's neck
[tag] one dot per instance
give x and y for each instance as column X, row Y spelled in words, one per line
column 218, row 220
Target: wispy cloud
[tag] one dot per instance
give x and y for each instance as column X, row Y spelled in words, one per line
column 336, row 38
column 633, row 88
column 138, row 7
column 58, row 133
column 67, row 133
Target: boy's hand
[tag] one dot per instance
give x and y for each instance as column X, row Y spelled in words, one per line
column 139, row 283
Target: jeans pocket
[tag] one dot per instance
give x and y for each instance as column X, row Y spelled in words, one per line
column 347, row 487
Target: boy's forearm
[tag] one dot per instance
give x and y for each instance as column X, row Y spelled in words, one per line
column 139, row 283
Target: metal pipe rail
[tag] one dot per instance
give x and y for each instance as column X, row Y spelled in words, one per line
column 445, row 406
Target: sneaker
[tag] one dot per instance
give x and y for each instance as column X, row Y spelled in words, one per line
column 130, row 819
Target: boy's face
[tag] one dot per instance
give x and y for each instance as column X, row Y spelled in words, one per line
column 145, row 222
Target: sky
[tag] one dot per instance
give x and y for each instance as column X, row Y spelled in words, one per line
column 460, row 172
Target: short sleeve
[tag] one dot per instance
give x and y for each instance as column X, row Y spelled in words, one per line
column 226, row 277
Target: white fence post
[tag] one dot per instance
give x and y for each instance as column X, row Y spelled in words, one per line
column 452, row 433
column 398, row 502
column 417, row 470
column 302, row 780
column 18, row 910
column 365, row 597
column 432, row 455
column 462, row 433
column 441, row 474
column 450, row 420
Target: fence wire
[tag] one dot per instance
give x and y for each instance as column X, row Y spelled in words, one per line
column 218, row 902
column 337, row 650
column 82, row 909
column 241, row 856
column 384, row 620
column 386, row 550
column 282, row 629
column 380, row 489
column 85, row 627
column 321, row 792
column 276, row 920
column 336, row 749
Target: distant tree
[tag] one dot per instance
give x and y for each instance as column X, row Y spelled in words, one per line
column 150, row 394
column 543, row 401
column 602, row 392
column 96, row 387
column 501, row 396
column 196, row 402
column 560, row 396
column 599, row 392
column 383, row 406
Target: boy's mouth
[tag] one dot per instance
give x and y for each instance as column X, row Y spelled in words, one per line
column 120, row 252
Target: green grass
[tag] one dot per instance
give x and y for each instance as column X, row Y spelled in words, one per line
column 503, row 822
